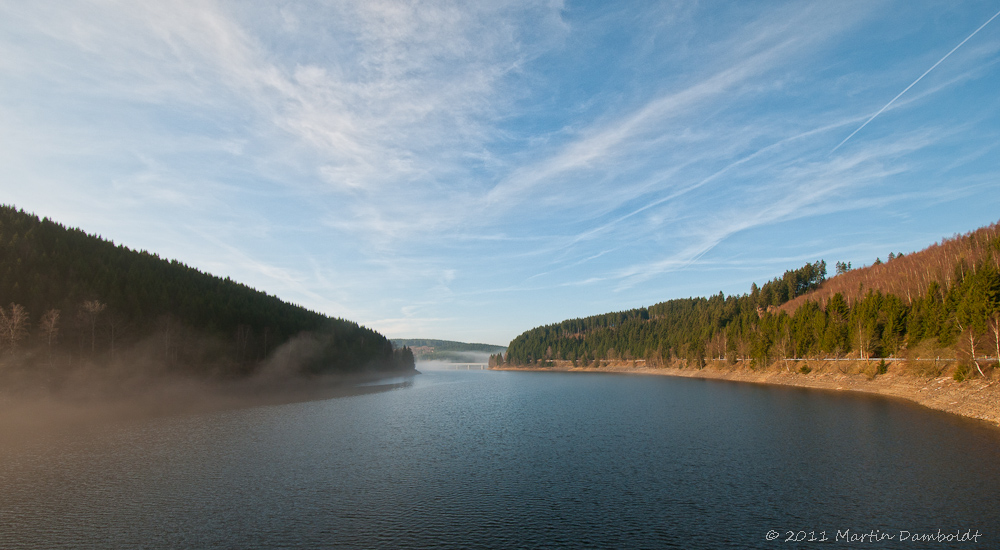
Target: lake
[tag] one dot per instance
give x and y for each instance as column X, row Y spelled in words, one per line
column 485, row 459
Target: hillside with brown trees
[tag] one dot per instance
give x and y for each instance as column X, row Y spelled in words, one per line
column 939, row 309
column 909, row 276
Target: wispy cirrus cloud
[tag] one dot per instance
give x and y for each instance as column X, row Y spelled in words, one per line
column 412, row 164
column 734, row 71
column 792, row 190
column 403, row 93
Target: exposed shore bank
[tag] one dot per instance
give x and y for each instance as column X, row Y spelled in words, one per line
column 976, row 398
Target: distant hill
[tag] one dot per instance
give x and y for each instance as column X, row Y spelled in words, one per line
column 69, row 299
column 447, row 350
column 942, row 301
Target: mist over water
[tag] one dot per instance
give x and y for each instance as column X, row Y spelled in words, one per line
column 472, row 356
column 484, row 459
column 42, row 393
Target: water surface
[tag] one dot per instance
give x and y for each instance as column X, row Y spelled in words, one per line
column 483, row 459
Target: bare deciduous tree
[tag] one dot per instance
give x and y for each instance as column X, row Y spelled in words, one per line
column 717, row 345
column 969, row 342
column 14, row 324
column 786, row 345
column 89, row 311
column 116, row 324
column 50, row 325
column 743, row 348
column 995, row 329
column 864, row 342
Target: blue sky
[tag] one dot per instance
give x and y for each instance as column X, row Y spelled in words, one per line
column 470, row 170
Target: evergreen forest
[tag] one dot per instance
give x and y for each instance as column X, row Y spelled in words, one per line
column 448, row 351
column 942, row 302
column 69, row 299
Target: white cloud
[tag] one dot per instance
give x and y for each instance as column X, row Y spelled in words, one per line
column 393, row 160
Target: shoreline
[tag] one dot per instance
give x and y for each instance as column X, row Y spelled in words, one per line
column 977, row 398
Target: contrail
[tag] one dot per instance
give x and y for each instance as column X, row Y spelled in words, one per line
column 915, row 81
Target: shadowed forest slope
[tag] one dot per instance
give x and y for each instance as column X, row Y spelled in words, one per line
column 71, row 300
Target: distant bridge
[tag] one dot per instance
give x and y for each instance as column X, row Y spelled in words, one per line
column 467, row 366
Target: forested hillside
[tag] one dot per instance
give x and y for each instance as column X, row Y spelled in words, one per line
column 70, row 298
column 943, row 301
column 448, row 350
column 445, row 345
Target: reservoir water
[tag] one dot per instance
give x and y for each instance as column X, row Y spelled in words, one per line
column 484, row 459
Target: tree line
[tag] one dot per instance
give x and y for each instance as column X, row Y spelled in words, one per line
column 82, row 298
column 909, row 304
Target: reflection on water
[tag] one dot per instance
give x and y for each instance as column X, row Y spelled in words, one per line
column 483, row 459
